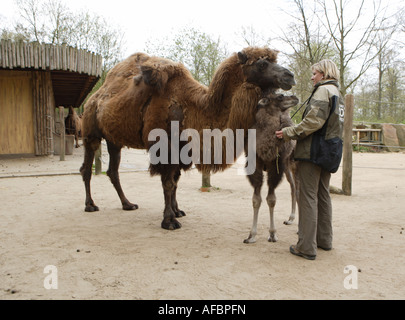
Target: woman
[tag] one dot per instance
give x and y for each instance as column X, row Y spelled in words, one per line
column 322, row 119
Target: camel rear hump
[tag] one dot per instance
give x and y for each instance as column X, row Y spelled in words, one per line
column 121, row 104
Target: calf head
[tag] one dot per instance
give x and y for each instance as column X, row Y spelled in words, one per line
column 276, row 103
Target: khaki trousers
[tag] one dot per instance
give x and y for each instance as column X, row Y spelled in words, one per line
column 315, row 209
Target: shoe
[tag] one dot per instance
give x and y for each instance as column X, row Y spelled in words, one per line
column 295, row 252
column 325, row 249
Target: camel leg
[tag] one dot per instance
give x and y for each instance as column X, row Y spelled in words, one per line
column 115, row 159
column 86, row 172
column 290, row 178
column 169, row 186
column 179, row 213
column 275, row 174
column 271, row 201
column 256, row 180
column 77, row 140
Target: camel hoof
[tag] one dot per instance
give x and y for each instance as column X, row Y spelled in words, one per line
column 288, row 223
column 272, row 238
column 180, row 214
column 250, row 240
column 130, row 207
column 171, row 225
column 91, row 209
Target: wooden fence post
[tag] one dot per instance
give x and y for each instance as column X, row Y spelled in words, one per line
column 62, row 133
column 347, row 146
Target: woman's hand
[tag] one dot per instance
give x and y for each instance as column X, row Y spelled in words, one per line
column 279, row 134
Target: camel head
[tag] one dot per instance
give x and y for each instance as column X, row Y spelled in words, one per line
column 260, row 67
column 275, row 103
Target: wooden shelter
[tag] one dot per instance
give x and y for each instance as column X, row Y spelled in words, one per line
column 35, row 79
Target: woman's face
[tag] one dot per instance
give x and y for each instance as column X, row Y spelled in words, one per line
column 316, row 76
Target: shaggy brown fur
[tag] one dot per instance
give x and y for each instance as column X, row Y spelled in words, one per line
column 144, row 93
column 273, row 115
column 272, row 155
column 73, row 125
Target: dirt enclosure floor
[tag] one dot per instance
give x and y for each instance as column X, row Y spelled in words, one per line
column 114, row 254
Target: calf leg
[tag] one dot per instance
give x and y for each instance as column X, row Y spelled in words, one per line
column 271, row 201
column 275, row 173
column 256, row 180
column 291, row 180
column 90, row 146
column 115, row 159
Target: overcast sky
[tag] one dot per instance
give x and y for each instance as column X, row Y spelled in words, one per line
column 143, row 20
column 219, row 18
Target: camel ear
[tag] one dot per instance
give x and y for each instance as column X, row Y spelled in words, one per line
column 263, row 102
column 242, row 57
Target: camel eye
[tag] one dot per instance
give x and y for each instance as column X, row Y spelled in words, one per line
column 262, row 64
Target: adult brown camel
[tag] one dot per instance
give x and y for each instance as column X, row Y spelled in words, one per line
column 144, row 93
column 274, row 156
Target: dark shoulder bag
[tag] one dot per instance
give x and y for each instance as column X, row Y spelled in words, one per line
column 327, row 153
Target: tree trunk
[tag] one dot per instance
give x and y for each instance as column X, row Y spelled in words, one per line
column 206, row 180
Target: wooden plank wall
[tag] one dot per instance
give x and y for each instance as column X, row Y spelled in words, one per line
column 17, row 113
column 44, row 103
column 48, row 57
column 26, row 105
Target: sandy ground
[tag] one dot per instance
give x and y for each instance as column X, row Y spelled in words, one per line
column 114, row 254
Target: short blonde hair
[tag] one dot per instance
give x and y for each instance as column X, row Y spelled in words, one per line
column 328, row 68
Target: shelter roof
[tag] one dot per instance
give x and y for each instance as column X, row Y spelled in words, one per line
column 74, row 71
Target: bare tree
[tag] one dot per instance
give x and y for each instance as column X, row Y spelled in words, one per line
column 251, row 38
column 50, row 21
column 343, row 31
column 30, row 11
column 59, row 17
column 400, row 17
column 305, row 36
column 197, row 50
column 309, row 42
column 385, row 58
column 394, row 91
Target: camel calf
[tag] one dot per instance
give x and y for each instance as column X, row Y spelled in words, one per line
column 274, row 156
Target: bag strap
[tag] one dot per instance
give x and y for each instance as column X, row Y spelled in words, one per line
column 313, row 92
column 310, row 97
column 302, row 106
